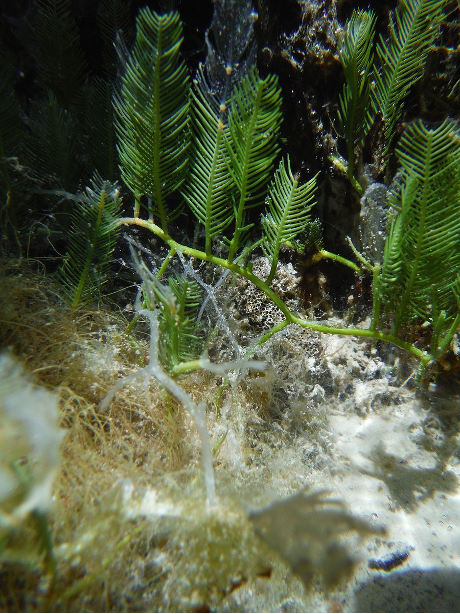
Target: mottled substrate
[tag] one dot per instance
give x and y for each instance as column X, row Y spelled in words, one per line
column 129, row 522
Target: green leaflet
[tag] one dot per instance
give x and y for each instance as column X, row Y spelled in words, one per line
column 92, row 238
column 402, row 60
column 152, row 113
column 356, row 57
column 419, row 277
column 288, row 215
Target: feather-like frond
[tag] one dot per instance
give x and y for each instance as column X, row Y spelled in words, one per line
column 402, row 59
column 422, row 256
column 96, row 111
column 60, row 61
column 209, row 188
column 181, row 337
column 152, row 112
column 113, row 16
column 92, row 239
column 356, row 57
column 288, row 215
column 314, row 239
column 52, row 149
column 254, row 120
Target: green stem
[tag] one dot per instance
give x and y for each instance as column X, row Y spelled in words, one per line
column 342, row 168
column 137, row 203
column 132, row 324
column 266, row 336
column 360, row 257
column 290, row 318
column 351, row 118
column 166, row 261
column 209, row 194
column 376, row 298
column 442, row 347
column 156, row 149
column 247, row 250
column 331, row 256
column 186, row 367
